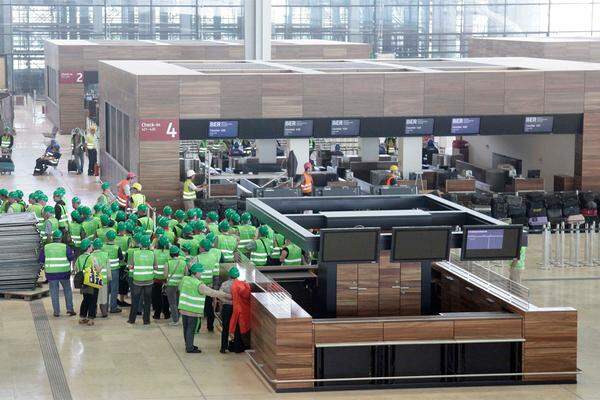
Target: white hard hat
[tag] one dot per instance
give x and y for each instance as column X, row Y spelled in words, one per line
column 190, row 173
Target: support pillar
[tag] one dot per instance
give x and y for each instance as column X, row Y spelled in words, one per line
column 301, row 151
column 409, row 155
column 369, row 149
column 257, row 29
column 266, row 150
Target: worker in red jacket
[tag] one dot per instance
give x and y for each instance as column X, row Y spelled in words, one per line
column 239, row 324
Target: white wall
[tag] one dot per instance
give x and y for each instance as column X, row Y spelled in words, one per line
column 552, row 154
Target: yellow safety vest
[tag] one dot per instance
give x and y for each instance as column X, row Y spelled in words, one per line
column 90, row 141
column 137, row 199
column 188, row 194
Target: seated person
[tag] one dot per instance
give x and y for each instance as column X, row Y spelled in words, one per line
column 50, row 158
column 6, row 143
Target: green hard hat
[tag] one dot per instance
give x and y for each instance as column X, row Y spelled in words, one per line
column 228, row 212
column 200, row 225
column 98, row 243
column 224, row 226
column 167, row 210
column 106, row 210
column 57, row 234
column 139, row 229
column 97, row 207
column 190, row 214
column 110, row 235
column 199, row 213
column 263, row 230
column 85, row 244
column 196, row 268
column 13, row 195
column 133, row 217
column 211, row 236
column 174, row 250
column 121, row 226
column 32, row 196
column 142, row 208
column 48, row 209
column 76, row 200
column 120, row 216
column 138, row 236
column 163, row 222
column 234, row 272
column 145, row 241
column 246, row 217
column 114, row 207
column 105, row 185
column 187, row 230
column 179, row 214
column 58, row 193
column 213, row 216
column 20, row 193
column 130, row 226
column 105, row 220
column 235, row 218
column 163, row 242
column 186, row 246
column 61, row 190
column 42, row 197
column 75, row 215
column 206, row 244
column 3, row 192
column 86, row 211
column 159, row 231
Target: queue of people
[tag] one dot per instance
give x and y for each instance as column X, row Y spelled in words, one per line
column 170, row 263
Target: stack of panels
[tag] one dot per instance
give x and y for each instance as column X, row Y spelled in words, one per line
column 19, row 248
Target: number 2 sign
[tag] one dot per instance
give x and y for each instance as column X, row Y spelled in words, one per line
column 70, row 77
column 158, row 129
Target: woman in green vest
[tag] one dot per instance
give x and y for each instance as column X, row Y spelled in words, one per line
column 142, row 266
column 192, row 298
column 160, row 304
column 50, row 224
column 75, row 231
column 210, row 277
column 87, row 310
column 115, row 257
column 291, row 254
column 101, row 257
column 173, row 273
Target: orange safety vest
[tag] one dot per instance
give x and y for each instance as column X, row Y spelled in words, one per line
column 122, row 198
column 390, row 180
column 307, row 184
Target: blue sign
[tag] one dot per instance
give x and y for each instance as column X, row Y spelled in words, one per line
column 418, row 126
column 298, row 128
column 465, row 126
column 345, row 127
column 222, row 129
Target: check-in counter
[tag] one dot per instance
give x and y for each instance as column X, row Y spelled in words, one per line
column 526, row 185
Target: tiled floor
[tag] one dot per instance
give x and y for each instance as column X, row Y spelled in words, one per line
column 114, row 360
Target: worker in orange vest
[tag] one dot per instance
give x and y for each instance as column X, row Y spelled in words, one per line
column 306, row 185
column 125, row 190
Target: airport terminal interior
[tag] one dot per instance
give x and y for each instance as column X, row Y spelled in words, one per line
column 266, row 199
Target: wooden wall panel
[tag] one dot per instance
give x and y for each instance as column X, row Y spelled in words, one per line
column 488, row 329
column 418, row 330
column 592, row 91
column 363, row 95
column 403, row 94
column 241, row 96
column 71, row 111
column 563, row 92
column 323, row 96
column 368, row 291
column 524, row 92
column 588, row 151
column 158, row 96
column 574, row 51
column 444, row 94
column 282, row 96
column 159, row 171
column 484, row 93
column 200, row 97
column 348, row 332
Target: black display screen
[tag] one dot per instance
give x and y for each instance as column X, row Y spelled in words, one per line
column 539, row 124
column 345, row 127
column 423, row 243
column 349, row 245
column 491, row 242
column 222, row 129
column 419, row 126
column 298, row 128
column 464, row 126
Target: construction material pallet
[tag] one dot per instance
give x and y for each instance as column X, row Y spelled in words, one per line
column 27, row 295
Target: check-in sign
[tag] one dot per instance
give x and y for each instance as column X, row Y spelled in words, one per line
column 70, row 77
column 158, row 129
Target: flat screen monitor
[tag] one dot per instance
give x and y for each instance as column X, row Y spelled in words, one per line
column 349, row 245
column 538, row 124
column 298, row 128
column 465, row 126
column 494, row 242
column 345, row 127
column 222, row 129
column 420, row 243
column 419, row 126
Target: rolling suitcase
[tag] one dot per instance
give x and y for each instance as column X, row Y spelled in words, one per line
column 72, row 165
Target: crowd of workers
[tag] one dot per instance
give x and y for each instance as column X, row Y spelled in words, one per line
column 171, row 262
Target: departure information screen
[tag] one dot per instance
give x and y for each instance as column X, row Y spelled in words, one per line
column 298, row 128
column 491, row 243
column 222, row 129
column 485, row 239
column 345, row 127
column 418, row 126
column 539, row 124
column 465, row 126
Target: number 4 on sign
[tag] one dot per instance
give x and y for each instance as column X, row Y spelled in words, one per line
column 171, row 131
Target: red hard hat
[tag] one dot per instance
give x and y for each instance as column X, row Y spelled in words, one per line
column 307, row 165
column 130, row 175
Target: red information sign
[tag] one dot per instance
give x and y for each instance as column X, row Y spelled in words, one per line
column 159, row 129
column 70, row 77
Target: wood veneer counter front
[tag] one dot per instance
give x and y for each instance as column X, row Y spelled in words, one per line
column 278, row 310
column 525, row 184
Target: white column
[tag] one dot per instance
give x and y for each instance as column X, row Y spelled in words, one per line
column 409, row 155
column 369, row 149
column 257, row 29
column 266, row 150
column 301, row 151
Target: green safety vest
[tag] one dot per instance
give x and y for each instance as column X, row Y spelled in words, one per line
column 227, row 244
column 137, row 199
column 55, row 258
column 172, row 223
column 213, row 227
column 64, row 217
column 147, row 224
column 260, row 254
column 143, row 265
column 175, row 271
column 37, row 210
column 194, row 250
column 101, row 257
column 89, row 227
column 188, row 194
column 247, row 234
column 190, row 299
column 16, row 208
column 5, row 142
column 199, row 237
column 112, row 249
column 53, row 224
column 123, row 242
column 207, row 260
column 75, row 233
column 162, row 256
column 278, row 242
column 84, row 261
column 171, row 236
column 216, row 253
column 130, row 253
column 101, row 233
column 520, row 264
column 294, row 255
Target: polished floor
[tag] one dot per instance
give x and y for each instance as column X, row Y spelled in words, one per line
column 114, row 360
